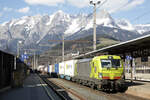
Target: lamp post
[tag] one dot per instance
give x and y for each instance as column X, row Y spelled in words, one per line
column 63, row 48
column 94, row 22
column 18, row 48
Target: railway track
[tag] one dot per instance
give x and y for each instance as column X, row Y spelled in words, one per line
column 102, row 95
column 62, row 92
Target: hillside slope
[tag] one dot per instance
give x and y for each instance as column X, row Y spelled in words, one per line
column 103, row 40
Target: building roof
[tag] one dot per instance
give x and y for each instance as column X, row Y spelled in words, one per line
column 120, row 48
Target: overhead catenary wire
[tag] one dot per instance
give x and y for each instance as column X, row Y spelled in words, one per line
column 140, row 16
column 101, row 4
column 134, row 19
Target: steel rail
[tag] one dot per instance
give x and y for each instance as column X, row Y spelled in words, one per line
column 59, row 91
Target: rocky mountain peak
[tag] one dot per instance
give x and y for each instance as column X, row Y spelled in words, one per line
column 103, row 14
column 125, row 24
column 37, row 29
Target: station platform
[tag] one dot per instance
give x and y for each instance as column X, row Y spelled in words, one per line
column 139, row 88
column 33, row 89
column 139, row 76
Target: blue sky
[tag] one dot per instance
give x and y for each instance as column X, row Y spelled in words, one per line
column 136, row 11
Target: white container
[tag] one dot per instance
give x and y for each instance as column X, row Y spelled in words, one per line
column 62, row 68
column 53, row 68
column 70, row 68
column 49, row 69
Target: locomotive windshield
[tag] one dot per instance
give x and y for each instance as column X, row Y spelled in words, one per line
column 108, row 63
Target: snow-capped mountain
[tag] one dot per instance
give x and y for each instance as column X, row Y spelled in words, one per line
column 125, row 24
column 39, row 29
column 142, row 28
column 103, row 18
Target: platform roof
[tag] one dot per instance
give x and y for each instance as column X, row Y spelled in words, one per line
column 142, row 42
column 2, row 51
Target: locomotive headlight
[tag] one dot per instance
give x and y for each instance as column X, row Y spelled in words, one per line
column 100, row 75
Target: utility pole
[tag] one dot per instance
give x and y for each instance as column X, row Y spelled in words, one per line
column 17, row 50
column 34, row 61
column 94, row 23
column 63, row 47
column 37, row 59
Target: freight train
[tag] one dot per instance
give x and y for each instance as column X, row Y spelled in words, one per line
column 103, row 72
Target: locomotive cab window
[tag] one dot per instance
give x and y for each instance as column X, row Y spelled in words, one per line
column 115, row 63
column 107, row 63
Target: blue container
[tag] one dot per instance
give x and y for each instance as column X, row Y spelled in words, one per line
column 57, row 68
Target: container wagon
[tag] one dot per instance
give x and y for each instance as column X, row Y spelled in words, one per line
column 62, row 69
column 70, row 69
column 55, row 71
column 49, row 69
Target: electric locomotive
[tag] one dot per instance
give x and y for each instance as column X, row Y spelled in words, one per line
column 102, row 72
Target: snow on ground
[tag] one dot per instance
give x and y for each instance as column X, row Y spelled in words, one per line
column 128, row 26
column 50, row 20
column 20, row 22
column 74, row 27
column 89, row 25
column 3, row 24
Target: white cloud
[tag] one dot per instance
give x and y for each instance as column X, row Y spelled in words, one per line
column 120, row 5
column 111, row 5
column 114, row 5
column 7, row 9
column 133, row 4
column 24, row 10
column 79, row 3
column 44, row 2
